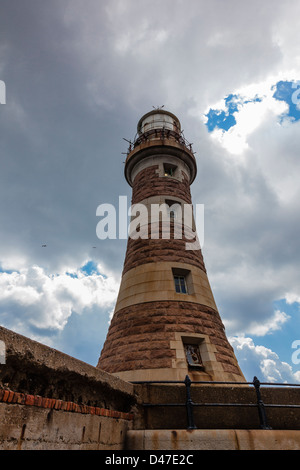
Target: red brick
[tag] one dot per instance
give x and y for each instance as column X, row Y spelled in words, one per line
column 83, row 409
column 77, row 408
column 52, row 402
column 58, row 404
column 10, row 397
column 21, row 398
column 38, row 401
column 29, row 400
column 64, row 405
column 72, row 406
column 104, row 412
column 5, row 395
column 15, row 397
column 45, row 402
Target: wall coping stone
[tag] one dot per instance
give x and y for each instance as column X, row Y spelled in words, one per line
column 32, row 363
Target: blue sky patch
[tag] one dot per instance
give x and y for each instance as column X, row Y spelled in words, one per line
column 287, row 91
column 89, row 268
column 224, row 119
column 290, row 93
column 73, row 275
column 280, row 341
column 7, row 271
column 219, row 119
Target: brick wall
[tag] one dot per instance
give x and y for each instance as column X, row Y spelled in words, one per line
column 148, row 183
column 148, row 250
column 139, row 336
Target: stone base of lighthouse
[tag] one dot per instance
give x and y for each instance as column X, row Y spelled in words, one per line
column 153, row 325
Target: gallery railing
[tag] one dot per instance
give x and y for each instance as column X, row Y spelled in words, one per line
column 160, row 133
column 189, row 404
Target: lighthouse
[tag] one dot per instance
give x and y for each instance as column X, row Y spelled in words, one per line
column 166, row 324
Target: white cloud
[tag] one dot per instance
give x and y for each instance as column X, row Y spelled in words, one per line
column 46, row 301
column 262, row 362
column 249, row 116
column 269, row 325
column 292, row 297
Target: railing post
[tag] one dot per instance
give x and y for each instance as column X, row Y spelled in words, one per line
column 189, row 404
column 261, row 406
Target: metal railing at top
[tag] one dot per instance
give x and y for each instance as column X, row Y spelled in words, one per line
column 161, row 133
column 189, row 404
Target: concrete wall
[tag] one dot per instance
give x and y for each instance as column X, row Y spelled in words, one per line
column 31, row 428
column 208, row 439
column 49, row 400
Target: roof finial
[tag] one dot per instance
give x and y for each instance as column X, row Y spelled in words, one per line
column 158, row 107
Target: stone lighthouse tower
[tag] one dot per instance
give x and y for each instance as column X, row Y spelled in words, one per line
column 166, row 323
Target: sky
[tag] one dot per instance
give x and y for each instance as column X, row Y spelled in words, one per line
column 76, row 76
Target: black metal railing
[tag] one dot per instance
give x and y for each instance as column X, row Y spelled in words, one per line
column 189, row 404
column 161, row 133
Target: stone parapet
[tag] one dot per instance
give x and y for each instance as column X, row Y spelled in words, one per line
column 49, row 400
column 36, row 369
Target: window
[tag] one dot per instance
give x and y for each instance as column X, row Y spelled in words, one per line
column 193, row 356
column 180, row 284
column 183, row 281
column 169, row 169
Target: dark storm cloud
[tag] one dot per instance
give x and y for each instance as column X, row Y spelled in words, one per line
column 60, row 156
column 79, row 75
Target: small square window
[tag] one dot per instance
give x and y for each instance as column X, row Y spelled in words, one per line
column 183, row 281
column 169, row 169
column 180, row 284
